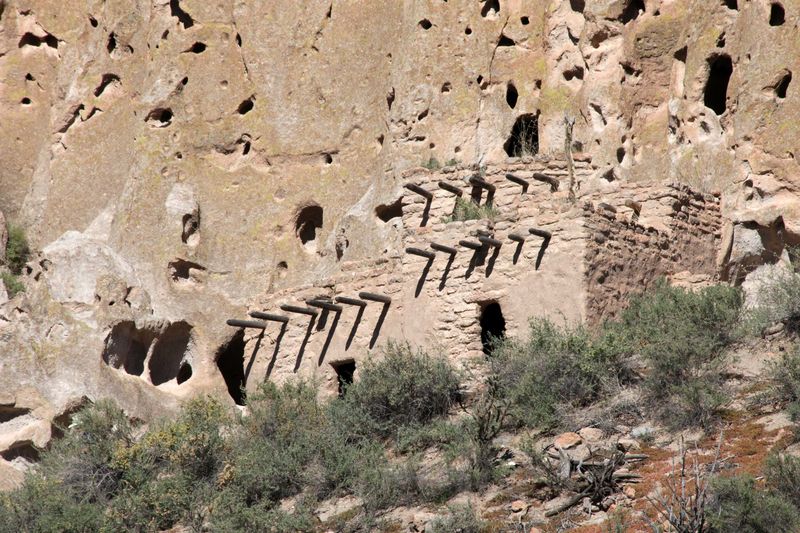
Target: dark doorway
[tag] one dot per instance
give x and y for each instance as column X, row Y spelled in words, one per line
column 777, row 15
column 524, row 138
column 716, row 93
column 308, row 221
column 493, row 326
column 230, row 361
column 345, row 370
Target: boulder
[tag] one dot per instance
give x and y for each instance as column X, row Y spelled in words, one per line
column 568, row 440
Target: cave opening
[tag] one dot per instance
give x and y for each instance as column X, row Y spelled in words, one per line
column 524, row 138
column 783, row 85
column 777, row 15
column 308, row 221
column 493, row 326
column 716, row 92
column 230, row 361
column 169, row 353
column 126, row 347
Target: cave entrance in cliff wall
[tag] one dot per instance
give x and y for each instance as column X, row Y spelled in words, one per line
column 493, row 326
column 715, row 96
column 126, row 347
column 345, row 372
column 524, row 138
column 170, row 355
column 307, row 221
column 230, row 361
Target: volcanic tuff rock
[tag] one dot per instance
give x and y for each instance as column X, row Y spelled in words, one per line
column 173, row 159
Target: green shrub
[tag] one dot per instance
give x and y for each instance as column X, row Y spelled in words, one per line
column 12, row 283
column 403, row 388
column 460, row 519
column 778, row 300
column 555, row 369
column 466, row 209
column 784, row 376
column 432, row 164
column 682, row 336
column 783, row 477
column 737, row 506
column 17, row 249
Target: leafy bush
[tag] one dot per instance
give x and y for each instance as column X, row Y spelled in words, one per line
column 460, row 519
column 783, row 476
column 403, row 388
column 682, row 336
column 466, row 209
column 432, row 164
column 784, row 375
column 13, row 285
column 778, row 300
column 738, row 506
column 553, row 370
column 17, row 249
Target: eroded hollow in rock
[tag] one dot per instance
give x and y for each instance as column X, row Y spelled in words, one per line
column 715, row 95
column 170, row 353
column 783, row 85
column 345, row 371
column 777, row 15
column 631, row 11
column 511, row 95
column 230, row 361
column 181, row 270
column 388, row 212
column 306, row 224
column 22, row 450
column 126, row 347
column 9, row 412
column 524, row 138
column 160, row 117
column 246, row 106
column 493, row 326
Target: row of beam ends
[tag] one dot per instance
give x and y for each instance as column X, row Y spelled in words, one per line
column 478, row 181
column 483, row 240
column 312, row 309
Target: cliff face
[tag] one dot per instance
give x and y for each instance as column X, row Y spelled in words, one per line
column 174, row 159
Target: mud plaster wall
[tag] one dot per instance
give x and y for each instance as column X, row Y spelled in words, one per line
column 437, row 304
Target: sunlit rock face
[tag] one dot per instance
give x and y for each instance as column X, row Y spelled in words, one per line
column 176, row 161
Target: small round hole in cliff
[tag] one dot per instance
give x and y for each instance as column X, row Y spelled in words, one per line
column 386, row 212
column 777, row 15
column 731, row 4
column 307, row 221
column 126, row 347
column 783, row 85
column 230, row 361
column 577, row 5
column 25, row 101
column 425, row 24
column 524, row 21
column 493, row 326
column 511, row 95
column 524, row 138
column 170, row 352
column 716, row 92
column 246, row 106
column 198, row 48
column 161, row 117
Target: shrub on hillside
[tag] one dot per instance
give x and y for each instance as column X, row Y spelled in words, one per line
column 403, row 388
column 460, row 518
column 682, row 335
column 12, row 284
column 17, row 249
column 736, row 505
column 555, row 369
column 783, row 477
column 784, row 375
column 777, row 300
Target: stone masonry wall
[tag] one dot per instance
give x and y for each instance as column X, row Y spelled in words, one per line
column 595, row 255
column 676, row 233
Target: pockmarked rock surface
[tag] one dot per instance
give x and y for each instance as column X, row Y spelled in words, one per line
column 179, row 163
